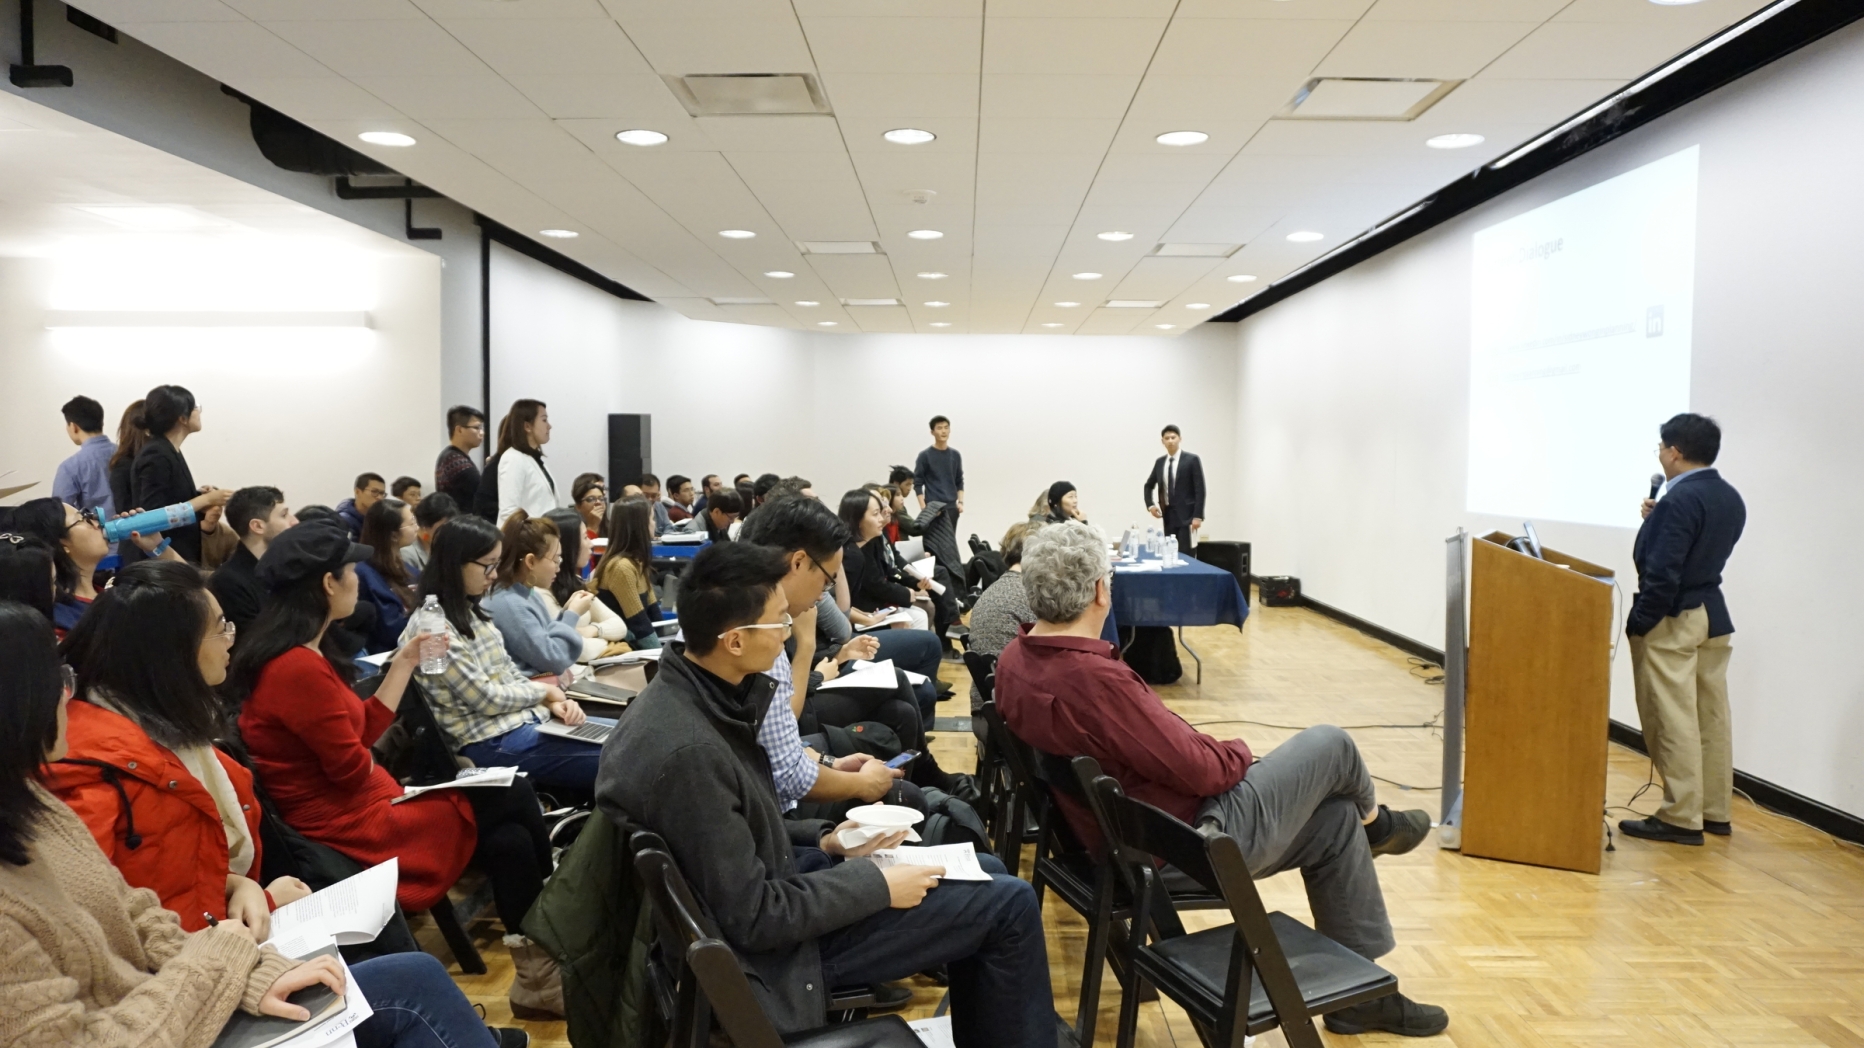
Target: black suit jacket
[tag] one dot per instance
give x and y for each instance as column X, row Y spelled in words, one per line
column 161, row 478
column 1187, row 491
column 1681, row 550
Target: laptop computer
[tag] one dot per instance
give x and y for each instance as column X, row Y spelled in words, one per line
column 594, row 730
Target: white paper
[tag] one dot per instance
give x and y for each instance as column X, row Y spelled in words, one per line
column 923, row 567
column 668, row 538
column 499, row 776
column 911, row 677
column 351, row 911
column 378, row 660
column 628, row 658
column 959, row 860
column 855, row 836
column 892, row 617
column 934, row 1032
column 868, row 675
column 1144, row 565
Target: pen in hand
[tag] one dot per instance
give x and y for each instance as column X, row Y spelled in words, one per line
column 212, row 921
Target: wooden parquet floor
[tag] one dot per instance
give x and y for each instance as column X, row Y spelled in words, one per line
column 1752, row 940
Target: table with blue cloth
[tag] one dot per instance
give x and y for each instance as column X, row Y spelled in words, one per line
column 1191, row 594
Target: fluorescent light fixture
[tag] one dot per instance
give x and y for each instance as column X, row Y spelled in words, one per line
column 908, row 136
column 386, row 138
column 206, row 318
column 1133, row 303
column 779, row 274
column 1182, row 138
column 870, row 301
column 145, row 217
column 1241, row 278
column 941, row 323
column 807, row 302
column 938, row 305
column 839, row 247
column 1114, row 234
column 736, row 234
column 1197, row 305
column 741, row 302
column 933, row 276
column 1052, row 323
column 1067, row 305
column 1164, row 327
column 1305, row 236
column 825, row 323
column 925, row 234
column 1087, row 276
column 639, row 136
column 1454, row 141
column 558, row 234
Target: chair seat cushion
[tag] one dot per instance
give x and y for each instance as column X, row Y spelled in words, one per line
column 1330, row 975
column 885, row 1031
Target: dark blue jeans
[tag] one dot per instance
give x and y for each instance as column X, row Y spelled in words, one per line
column 551, row 760
column 990, row 938
column 416, row 1006
column 918, row 651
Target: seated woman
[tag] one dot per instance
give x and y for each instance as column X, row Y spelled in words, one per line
column 999, row 614
column 621, row 576
column 27, row 572
column 1064, row 503
column 93, row 962
column 78, row 545
column 541, row 644
column 434, row 510
column 485, row 705
column 589, row 500
column 309, row 736
column 173, row 813
column 871, row 581
column 387, row 527
column 600, row 627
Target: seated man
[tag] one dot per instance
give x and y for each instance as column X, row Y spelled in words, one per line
column 1064, row 691
column 686, row 765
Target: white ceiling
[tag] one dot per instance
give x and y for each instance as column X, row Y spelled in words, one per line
column 1045, row 110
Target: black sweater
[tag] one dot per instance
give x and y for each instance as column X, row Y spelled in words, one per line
column 869, row 587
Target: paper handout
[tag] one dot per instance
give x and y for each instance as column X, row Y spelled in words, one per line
column 923, row 567
column 350, row 911
column 959, row 860
column 893, row 615
column 467, row 777
column 858, row 674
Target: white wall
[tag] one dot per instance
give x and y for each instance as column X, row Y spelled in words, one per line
column 839, row 409
column 1352, row 402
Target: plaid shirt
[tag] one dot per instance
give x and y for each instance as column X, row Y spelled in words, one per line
column 481, row 694
column 791, row 769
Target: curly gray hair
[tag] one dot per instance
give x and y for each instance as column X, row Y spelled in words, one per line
column 1061, row 563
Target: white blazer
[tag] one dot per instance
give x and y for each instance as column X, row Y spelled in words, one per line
column 522, row 484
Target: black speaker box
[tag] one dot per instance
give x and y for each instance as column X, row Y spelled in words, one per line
column 1232, row 557
column 630, row 450
column 1279, row 591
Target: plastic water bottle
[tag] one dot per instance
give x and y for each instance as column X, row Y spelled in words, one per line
column 148, row 523
column 1171, row 551
column 432, row 619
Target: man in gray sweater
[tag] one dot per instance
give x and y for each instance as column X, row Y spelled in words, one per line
column 685, row 764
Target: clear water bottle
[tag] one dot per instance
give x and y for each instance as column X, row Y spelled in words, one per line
column 1171, row 551
column 432, row 619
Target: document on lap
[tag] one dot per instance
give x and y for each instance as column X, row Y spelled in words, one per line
column 467, row 777
column 959, row 860
column 923, row 568
column 333, row 1020
column 351, row 911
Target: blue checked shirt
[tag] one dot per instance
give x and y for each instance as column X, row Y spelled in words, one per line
column 791, row 770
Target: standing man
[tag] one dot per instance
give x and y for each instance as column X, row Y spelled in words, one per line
column 454, row 472
column 83, row 480
column 938, row 473
column 1679, row 630
column 1178, row 477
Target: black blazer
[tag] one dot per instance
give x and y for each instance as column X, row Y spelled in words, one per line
column 161, row 478
column 1681, row 550
column 1187, row 492
column 869, row 588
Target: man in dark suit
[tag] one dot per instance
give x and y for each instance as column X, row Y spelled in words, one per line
column 1178, row 480
column 1679, row 633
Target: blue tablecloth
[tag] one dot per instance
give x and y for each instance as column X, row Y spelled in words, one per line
column 678, row 550
column 1191, row 594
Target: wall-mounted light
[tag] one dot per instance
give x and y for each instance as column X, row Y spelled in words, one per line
column 215, row 318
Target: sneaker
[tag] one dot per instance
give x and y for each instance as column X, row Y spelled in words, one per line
column 890, row 997
column 510, row 1037
column 1393, row 1013
column 1655, row 829
column 1409, row 828
column 1720, row 829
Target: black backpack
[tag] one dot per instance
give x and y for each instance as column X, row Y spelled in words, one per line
column 952, row 821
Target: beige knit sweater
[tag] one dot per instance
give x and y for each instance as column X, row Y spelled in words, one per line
column 86, row 960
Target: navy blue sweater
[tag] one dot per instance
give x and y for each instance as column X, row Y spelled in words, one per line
column 1681, row 550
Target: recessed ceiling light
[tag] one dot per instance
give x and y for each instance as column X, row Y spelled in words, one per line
column 1087, row 276
column 1305, row 236
column 1197, row 305
column 1182, row 138
column 808, row 302
column 779, row 274
column 640, row 136
column 386, row 138
column 941, row 323
column 1241, row 278
column 1052, row 323
column 1067, row 305
column 932, row 276
column 736, row 234
column 558, row 234
column 925, row 234
column 908, row 136
column 1114, row 234
column 825, row 323
column 938, row 305
column 1164, row 327
column 1456, row 141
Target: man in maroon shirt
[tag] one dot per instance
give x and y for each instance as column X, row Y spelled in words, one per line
column 1309, row 805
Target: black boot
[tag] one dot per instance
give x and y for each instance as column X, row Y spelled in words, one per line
column 1393, row 1013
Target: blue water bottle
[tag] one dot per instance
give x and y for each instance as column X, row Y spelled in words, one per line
column 149, row 522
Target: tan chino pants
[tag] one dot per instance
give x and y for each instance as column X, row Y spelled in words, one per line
column 1681, row 675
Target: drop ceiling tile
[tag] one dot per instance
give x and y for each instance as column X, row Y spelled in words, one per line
column 1246, row 47
column 229, row 51
column 396, row 47
column 1440, row 50
column 1515, row 101
column 1466, row 10
column 1007, row 241
column 443, row 10
column 893, row 8
column 123, row 13
column 328, row 97
column 1304, row 10
column 1113, row 321
column 1082, row 8
column 644, row 101
column 1592, row 51
column 1184, row 101
column 1079, row 96
column 690, row 43
column 956, row 135
column 1045, row 135
column 804, row 214
column 887, row 175
column 1110, row 46
column 457, row 97
column 552, row 46
column 1135, row 194
column 1704, row 17
column 324, row 10
column 1147, row 222
column 878, row 319
column 683, row 136
column 788, row 133
column 1053, row 213
column 894, row 45
column 902, row 96
column 1139, row 136
column 856, row 276
column 759, row 169
column 531, row 152
column 1155, row 168
column 1332, row 138
column 1201, row 224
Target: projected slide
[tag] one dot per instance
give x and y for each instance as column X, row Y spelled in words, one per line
column 1579, row 346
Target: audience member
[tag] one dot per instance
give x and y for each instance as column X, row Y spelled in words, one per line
column 760, row 489
column 789, row 487
column 407, row 489
column 27, row 574
column 370, row 489
column 599, row 626
column 589, row 498
column 747, row 498
column 217, row 539
column 387, row 529
column 543, row 645
column 160, row 476
column 650, row 490
column 869, row 584
column 938, row 473
column 622, row 577
column 173, row 813
column 83, row 480
column 130, row 437
column 434, row 510
column 900, row 479
column 1064, row 503
column 679, row 500
column 1039, row 510
column 1003, row 608
column 1310, row 804
column 803, row 922
column 309, row 737
column 77, row 545
column 742, row 480
column 454, row 472
column 485, row 706
column 721, row 512
column 257, row 515
column 708, row 484
column 523, row 482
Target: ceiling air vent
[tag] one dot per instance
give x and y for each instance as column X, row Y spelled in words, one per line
column 1365, row 98
column 748, row 94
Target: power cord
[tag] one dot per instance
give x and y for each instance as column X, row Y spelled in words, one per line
column 1425, row 670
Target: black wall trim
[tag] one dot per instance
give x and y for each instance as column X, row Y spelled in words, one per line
column 1793, row 25
column 1371, row 629
column 556, row 260
column 485, row 321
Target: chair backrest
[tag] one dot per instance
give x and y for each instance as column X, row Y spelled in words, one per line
column 685, row 930
column 415, row 752
column 983, row 670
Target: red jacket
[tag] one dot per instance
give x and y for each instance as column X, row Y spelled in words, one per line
column 156, row 822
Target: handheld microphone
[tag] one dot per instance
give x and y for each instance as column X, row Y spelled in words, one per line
column 1656, row 482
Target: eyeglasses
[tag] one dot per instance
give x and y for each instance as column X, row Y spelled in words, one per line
column 784, row 626
column 592, row 499
column 227, row 629
column 489, row 569
column 87, row 516
column 828, row 575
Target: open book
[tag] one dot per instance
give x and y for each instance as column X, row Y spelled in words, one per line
column 350, row 911
column 332, row 1016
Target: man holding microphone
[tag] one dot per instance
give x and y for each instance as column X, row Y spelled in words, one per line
column 1679, row 632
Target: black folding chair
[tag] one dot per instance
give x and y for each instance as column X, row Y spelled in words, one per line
column 1290, row 971
column 991, row 775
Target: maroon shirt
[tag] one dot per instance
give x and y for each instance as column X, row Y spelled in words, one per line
column 1072, row 696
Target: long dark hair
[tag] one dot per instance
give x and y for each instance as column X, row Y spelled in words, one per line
column 130, row 435
column 571, row 533
column 511, row 428
column 26, row 572
column 630, row 535
column 29, row 693
column 164, row 408
column 460, row 540
column 854, row 507
column 139, row 644
column 293, row 615
column 380, row 529
column 44, row 519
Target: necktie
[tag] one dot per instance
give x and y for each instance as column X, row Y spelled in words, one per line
column 1171, row 476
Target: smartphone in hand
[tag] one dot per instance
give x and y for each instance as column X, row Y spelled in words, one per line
column 903, row 759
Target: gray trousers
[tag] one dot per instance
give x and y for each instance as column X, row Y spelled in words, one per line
column 1299, row 807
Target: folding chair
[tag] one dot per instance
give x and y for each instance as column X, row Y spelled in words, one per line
column 1236, row 979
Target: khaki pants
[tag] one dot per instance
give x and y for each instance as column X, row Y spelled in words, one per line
column 1681, row 674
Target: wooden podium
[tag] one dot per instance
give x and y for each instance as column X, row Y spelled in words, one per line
column 1537, row 708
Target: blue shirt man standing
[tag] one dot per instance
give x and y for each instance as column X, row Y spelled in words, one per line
column 83, row 480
